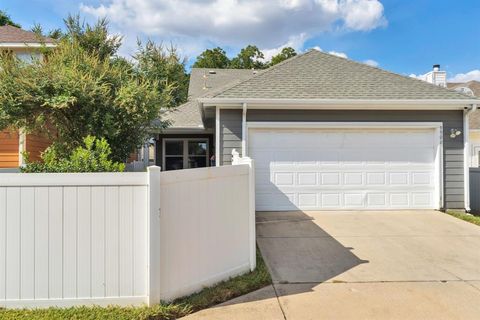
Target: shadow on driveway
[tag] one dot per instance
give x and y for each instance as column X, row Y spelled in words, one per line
column 297, row 250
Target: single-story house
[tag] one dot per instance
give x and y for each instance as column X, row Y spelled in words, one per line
column 327, row 133
column 24, row 44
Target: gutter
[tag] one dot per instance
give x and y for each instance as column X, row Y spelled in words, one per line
column 466, row 154
column 239, row 102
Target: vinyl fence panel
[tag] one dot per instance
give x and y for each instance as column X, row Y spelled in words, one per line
column 73, row 239
column 205, row 226
column 122, row 238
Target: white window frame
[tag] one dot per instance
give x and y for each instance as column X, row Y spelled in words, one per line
column 475, row 155
column 185, row 154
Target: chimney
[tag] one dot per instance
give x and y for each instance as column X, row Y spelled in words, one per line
column 436, row 76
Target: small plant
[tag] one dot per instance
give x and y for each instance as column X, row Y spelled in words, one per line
column 94, row 156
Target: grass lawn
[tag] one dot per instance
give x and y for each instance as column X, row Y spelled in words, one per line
column 460, row 214
column 223, row 291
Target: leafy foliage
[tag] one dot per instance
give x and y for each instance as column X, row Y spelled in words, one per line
column 83, row 88
column 166, row 68
column 212, row 58
column 94, row 156
column 74, row 93
column 249, row 58
column 5, row 20
column 285, row 54
column 92, row 38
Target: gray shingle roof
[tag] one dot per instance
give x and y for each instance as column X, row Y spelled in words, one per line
column 11, row 34
column 318, row 75
column 202, row 81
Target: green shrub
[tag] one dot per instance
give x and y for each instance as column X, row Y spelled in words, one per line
column 94, row 156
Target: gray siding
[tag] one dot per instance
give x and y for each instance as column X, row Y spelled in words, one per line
column 231, row 127
column 231, row 134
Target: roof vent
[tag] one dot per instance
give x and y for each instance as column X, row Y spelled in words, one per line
column 212, row 72
column 465, row 90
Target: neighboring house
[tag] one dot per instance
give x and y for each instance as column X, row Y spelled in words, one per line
column 471, row 88
column 327, row 133
column 25, row 45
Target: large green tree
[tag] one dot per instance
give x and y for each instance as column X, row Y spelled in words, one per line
column 84, row 88
column 212, row 58
column 73, row 94
column 164, row 66
column 249, row 57
column 285, row 54
column 5, row 20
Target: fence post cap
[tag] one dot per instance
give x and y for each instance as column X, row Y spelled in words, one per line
column 153, row 169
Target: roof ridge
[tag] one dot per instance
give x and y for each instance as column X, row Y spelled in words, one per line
column 260, row 73
column 394, row 73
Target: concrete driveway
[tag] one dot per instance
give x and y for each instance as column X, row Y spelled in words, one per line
column 363, row 265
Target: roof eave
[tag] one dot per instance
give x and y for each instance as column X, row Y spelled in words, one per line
column 341, row 103
column 27, row 45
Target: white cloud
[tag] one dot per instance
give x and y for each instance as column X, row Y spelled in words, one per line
column 362, row 15
column 339, row 54
column 295, row 42
column 235, row 23
column 465, row 77
column 371, row 62
column 417, row 76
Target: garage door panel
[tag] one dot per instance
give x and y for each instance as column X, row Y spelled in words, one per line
column 338, row 169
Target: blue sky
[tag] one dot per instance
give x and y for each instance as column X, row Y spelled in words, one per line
column 403, row 36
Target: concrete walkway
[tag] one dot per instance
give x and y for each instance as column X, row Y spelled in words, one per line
column 363, row 265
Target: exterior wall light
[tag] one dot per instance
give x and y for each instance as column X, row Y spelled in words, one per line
column 455, row 133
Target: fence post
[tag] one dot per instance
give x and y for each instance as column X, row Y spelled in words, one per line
column 251, row 204
column 251, row 209
column 153, row 235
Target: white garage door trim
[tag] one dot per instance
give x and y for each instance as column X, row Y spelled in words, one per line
column 437, row 126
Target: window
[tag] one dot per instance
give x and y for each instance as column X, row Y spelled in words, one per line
column 185, row 153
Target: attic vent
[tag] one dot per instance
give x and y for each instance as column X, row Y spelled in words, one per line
column 465, row 90
column 212, row 72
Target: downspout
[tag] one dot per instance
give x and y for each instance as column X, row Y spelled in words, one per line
column 217, row 136
column 466, row 152
column 244, row 130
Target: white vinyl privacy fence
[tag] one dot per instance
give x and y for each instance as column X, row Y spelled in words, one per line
column 122, row 238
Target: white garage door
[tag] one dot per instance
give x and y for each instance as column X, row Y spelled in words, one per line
column 312, row 169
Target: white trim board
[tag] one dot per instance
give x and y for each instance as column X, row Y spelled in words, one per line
column 362, row 104
column 437, row 126
column 339, row 125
